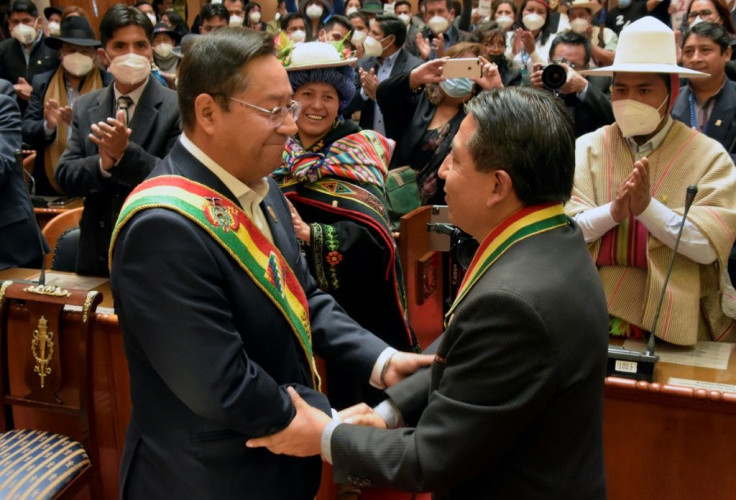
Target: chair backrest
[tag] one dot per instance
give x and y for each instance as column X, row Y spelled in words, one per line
column 57, row 227
column 423, row 276
column 64, row 253
column 45, row 361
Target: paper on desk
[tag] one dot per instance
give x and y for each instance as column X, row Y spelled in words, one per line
column 701, row 384
column 67, row 280
column 704, row 354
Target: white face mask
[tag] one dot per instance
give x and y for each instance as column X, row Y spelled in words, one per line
column 163, row 49
column 358, row 37
column 351, row 10
column 130, row 69
column 405, row 18
column 152, row 18
column 235, row 21
column 255, row 17
column 24, row 34
column 504, row 21
column 298, row 36
column 533, row 22
column 277, row 16
column 372, row 47
column 438, row 24
column 635, row 118
column 314, row 11
column 54, row 28
column 579, row 25
column 77, row 64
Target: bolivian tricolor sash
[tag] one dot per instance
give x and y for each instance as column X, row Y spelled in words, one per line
column 526, row 222
column 235, row 232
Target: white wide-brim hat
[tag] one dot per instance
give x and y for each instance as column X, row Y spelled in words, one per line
column 311, row 55
column 646, row 46
column 592, row 6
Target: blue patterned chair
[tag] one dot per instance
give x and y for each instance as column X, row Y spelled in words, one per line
column 46, row 384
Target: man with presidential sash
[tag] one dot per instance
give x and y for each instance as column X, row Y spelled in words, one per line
column 218, row 310
column 515, row 400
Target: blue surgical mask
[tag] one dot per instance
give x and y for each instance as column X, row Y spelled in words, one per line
column 624, row 4
column 457, row 87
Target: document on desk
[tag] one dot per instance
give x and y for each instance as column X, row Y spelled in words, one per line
column 704, row 354
column 68, row 280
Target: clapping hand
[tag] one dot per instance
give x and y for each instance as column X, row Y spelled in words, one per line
column 112, row 139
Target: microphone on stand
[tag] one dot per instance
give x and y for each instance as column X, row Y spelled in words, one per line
column 633, row 364
column 19, row 161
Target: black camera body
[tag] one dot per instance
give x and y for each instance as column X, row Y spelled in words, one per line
column 554, row 76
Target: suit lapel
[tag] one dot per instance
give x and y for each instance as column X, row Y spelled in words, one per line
column 146, row 112
column 681, row 109
column 721, row 120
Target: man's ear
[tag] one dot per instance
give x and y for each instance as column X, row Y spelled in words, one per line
column 207, row 112
column 501, row 187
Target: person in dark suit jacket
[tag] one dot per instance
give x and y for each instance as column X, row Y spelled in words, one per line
column 103, row 161
column 389, row 33
column 590, row 108
column 440, row 34
column 27, row 35
column 212, row 346
column 515, row 401
column 709, row 103
column 48, row 116
column 706, row 47
column 19, row 244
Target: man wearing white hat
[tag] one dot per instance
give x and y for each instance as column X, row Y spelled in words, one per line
column 630, row 187
column 603, row 41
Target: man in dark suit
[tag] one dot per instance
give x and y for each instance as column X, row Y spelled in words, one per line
column 438, row 35
column 48, row 116
column 515, row 401
column 19, row 245
column 107, row 157
column 218, row 310
column 390, row 33
column 25, row 54
column 708, row 104
column 590, row 108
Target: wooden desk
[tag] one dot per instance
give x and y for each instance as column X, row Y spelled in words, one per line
column 661, row 441
column 43, row 215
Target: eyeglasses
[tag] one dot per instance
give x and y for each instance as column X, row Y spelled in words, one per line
column 562, row 60
column 276, row 115
column 703, row 14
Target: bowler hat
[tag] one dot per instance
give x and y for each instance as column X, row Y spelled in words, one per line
column 76, row 31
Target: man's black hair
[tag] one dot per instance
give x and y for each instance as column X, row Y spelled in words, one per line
column 121, row 15
column 538, row 155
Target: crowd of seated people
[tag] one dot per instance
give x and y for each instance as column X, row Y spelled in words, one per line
column 99, row 112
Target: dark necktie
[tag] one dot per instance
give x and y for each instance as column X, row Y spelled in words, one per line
column 124, row 103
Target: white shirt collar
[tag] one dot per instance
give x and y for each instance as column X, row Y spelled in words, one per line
column 135, row 95
column 652, row 144
column 236, row 186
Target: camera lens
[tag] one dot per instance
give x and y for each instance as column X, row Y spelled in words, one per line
column 554, row 76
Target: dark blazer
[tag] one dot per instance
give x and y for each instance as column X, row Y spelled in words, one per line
column 13, row 62
column 592, row 113
column 515, row 402
column 19, row 233
column 210, row 357
column 155, row 127
column 405, row 62
column 722, row 121
column 33, row 133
